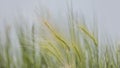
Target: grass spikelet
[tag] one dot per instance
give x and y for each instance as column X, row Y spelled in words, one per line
column 89, row 34
column 57, row 36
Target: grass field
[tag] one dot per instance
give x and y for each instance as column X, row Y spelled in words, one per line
column 43, row 45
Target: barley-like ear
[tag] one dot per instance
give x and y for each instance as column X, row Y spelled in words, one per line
column 57, row 36
column 89, row 34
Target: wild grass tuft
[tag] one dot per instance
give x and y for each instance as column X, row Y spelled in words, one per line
column 43, row 46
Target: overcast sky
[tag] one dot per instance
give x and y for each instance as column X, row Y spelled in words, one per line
column 107, row 11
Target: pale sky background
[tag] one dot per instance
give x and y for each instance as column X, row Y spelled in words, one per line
column 107, row 11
